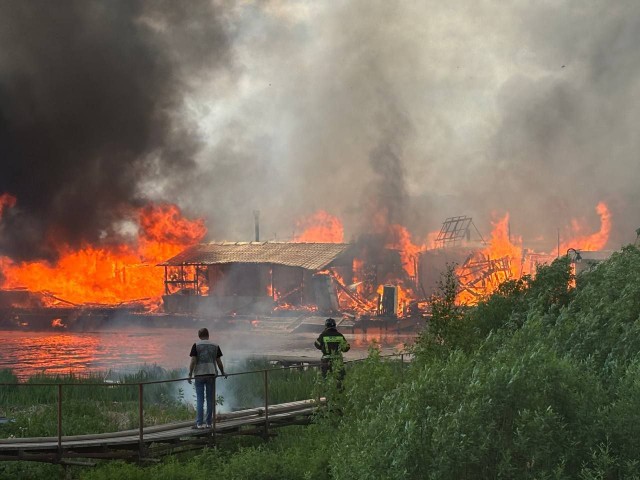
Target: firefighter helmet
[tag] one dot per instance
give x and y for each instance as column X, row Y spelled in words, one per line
column 330, row 323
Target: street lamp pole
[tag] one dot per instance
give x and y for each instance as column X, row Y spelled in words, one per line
column 576, row 254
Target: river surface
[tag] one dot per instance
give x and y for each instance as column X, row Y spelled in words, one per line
column 127, row 350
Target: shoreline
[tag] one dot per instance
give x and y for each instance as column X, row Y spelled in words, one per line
column 128, row 349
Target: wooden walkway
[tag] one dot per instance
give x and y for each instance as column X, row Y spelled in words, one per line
column 152, row 442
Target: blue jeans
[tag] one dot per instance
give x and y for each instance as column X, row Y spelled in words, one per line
column 204, row 389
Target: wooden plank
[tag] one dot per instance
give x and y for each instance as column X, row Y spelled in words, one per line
column 81, row 445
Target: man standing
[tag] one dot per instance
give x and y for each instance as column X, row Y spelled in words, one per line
column 205, row 355
column 333, row 344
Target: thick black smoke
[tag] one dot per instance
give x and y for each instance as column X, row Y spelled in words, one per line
column 89, row 92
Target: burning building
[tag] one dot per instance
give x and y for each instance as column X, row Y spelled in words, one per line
column 461, row 246
column 256, row 277
column 380, row 276
column 289, row 278
column 480, row 265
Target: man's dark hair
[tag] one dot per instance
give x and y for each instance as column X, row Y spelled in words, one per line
column 203, row 333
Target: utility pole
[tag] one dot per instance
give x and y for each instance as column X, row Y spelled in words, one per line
column 256, row 224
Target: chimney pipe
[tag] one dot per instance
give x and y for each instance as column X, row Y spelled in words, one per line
column 256, row 218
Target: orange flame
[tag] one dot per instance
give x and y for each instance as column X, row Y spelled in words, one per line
column 500, row 261
column 409, row 251
column 595, row 241
column 401, row 241
column 321, row 227
column 115, row 274
column 57, row 323
column 500, row 245
column 401, row 302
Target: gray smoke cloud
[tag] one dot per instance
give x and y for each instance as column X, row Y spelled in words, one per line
column 432, row 110
column 424, row 109
column 90, row 92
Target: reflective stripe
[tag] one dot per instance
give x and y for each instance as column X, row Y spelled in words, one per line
column 333, row 346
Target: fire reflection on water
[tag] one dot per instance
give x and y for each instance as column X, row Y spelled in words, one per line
column 30, row 353
column 126, row 351
column 386, row 342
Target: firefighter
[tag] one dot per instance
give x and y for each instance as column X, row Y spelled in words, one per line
column 333, row 345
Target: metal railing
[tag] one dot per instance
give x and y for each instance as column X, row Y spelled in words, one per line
column 265, row 372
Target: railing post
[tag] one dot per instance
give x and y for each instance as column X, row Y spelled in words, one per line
column 141, row 416
column 266, row 404
column 215, row 409
column 59, row 418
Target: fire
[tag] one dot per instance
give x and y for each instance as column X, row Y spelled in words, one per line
column 500, row 244
column 594, row 241
column 114, row 274
column 483, row 273
column 503, row 259
column 401, row 241
column 321, row 227
column 57, row 323
column 403, row 299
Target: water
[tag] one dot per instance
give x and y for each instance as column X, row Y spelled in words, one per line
column 127, row 350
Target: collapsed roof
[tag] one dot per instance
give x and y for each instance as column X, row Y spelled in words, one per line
column 311, row 256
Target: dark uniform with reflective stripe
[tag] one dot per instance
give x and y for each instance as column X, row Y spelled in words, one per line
column 333, row 344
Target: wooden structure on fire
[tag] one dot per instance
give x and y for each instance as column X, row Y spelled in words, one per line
column 255, row 277
column 476, row 272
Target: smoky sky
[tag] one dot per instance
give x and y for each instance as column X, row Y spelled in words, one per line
column 421, row 109
column 88, row 94
column 433, row 109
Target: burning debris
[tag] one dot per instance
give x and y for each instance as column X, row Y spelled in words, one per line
column 113, row 273
column 98, row 282
column 381, row 277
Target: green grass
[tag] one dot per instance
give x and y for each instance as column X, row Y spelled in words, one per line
column 89, row 405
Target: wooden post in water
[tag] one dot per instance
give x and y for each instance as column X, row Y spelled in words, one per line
column 266, row 404
column 141, row 417
column 59, row 419
column 215, row 401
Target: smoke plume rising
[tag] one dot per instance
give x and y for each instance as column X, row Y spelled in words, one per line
column 422, row 109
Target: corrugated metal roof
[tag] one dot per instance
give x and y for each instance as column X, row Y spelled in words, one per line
column 312, row 256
